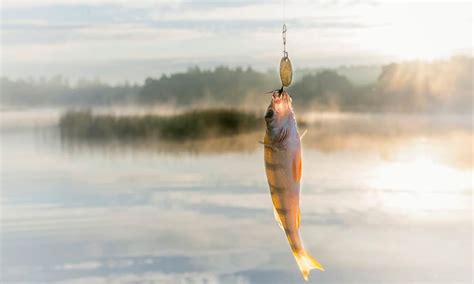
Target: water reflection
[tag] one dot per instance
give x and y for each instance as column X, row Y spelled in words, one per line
column 384, row 200
column 447, row 138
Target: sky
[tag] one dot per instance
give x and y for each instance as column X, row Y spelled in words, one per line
column 131, row 40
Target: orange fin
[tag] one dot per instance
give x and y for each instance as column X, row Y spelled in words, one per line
column 297, row 167
column 298, row 219
column 306, row 263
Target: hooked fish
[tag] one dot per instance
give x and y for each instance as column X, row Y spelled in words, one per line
column 283, row 166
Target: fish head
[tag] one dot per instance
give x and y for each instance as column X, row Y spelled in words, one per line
column 279, row 110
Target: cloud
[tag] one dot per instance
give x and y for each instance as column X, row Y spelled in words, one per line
column 84, row 37
column 9, row 4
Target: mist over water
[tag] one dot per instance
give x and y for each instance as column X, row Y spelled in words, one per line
column 385, row 199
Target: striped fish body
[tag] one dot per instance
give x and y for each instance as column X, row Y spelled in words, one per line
column 283, row 170
column 283, row 166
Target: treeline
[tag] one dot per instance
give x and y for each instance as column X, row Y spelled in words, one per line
column 443, row 85
column 220, row 87
column 438, row 86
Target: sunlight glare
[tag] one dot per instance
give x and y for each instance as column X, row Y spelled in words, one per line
column 416, row 180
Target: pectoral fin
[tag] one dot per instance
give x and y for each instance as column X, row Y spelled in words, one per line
column 269, row 145
column 304, row 133
column 277, row 218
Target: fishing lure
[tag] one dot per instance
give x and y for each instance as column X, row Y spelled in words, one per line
column 286, row 72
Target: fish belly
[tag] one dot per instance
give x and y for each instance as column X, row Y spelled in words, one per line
column 285, row 194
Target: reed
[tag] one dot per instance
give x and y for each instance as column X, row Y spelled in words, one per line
column 195, row 124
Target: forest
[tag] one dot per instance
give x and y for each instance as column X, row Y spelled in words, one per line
column 416, row 86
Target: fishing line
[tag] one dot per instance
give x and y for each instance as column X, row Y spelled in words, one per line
column 286, row 72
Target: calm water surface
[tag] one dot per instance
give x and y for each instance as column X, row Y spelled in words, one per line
column 384, row 200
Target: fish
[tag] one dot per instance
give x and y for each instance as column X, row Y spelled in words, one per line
column 283, row 168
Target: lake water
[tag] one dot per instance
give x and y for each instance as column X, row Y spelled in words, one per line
column 385, row 199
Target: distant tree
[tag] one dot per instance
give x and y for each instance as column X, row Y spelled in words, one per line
column 326, row 89
column 219, row 86
column 442, row 85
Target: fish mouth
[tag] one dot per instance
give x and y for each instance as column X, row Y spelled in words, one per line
column 280, row 96
column 280, row 100
column 277, row 98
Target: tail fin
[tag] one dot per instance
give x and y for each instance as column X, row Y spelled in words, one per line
column 306, row 262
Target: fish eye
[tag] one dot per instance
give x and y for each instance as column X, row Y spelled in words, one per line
column 269, row 114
